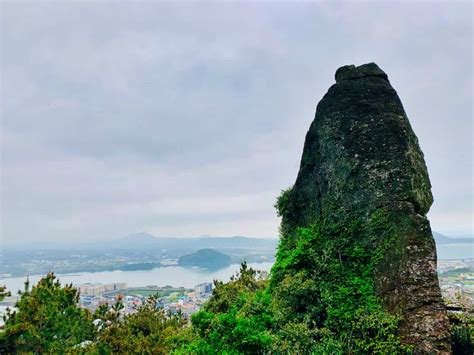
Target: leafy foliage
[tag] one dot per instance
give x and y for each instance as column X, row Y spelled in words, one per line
column 149, row 329
column 47, row 320
column 462, row 326
column 237, row 318
column 320, row 299
column 462, row 333
column 325, row 284
column 3, row 292
column 282, row 201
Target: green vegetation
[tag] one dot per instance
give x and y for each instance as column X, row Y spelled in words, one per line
column 47, row 320
column 148, row 331
column 320, row 299
column 237, row 319
column 3, row 292
column 462, row 324
column 246, row 315
column 462, row 333
column 324, row 284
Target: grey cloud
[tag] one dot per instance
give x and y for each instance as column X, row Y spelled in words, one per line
column 113, row 111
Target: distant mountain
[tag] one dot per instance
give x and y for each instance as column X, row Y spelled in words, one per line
column 444, row 240
column 205, row 258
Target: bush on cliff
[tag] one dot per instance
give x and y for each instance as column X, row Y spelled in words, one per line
column 334, row 299
column 237, row 318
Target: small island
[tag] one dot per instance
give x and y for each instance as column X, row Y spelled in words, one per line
column 139, row 266
column 205, row 258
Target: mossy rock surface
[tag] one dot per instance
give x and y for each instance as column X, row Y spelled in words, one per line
column 361, row 156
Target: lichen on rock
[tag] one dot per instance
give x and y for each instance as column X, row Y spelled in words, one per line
column 361, row 156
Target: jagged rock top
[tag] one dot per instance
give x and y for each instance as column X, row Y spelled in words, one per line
column 351, row 72
column 360, row 150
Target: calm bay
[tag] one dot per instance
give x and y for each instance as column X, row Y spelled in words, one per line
column 175, row 276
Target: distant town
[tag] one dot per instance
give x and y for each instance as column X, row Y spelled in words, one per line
column 456, row 279
column 171, row 299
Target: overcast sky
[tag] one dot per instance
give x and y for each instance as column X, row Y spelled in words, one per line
column 188, row 118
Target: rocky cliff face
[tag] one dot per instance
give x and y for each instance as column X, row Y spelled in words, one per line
column 361, row 155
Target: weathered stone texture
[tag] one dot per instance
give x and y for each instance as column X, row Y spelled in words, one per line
column 360, row 155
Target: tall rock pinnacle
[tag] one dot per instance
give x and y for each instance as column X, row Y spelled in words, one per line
column 361, row 155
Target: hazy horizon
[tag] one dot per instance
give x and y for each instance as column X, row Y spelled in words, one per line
column 53, row 244
column 84, row 241
column 187, row 119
